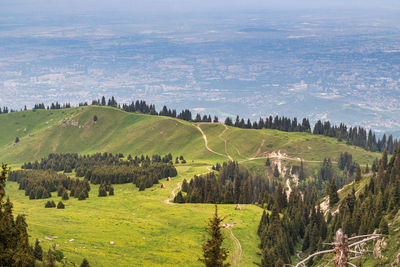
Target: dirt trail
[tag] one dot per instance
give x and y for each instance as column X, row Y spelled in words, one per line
column 178, row 186
column 259, row 148
column 225, row 141
column 206, row 142
column 173, row 194
column 237, row 254
column 278, row 155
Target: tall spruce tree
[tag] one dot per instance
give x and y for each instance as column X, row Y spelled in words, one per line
column 85, row 263
column 358, row 173
column 333, row 194
column 214, row 255
column 14, row 243
column 38, row 251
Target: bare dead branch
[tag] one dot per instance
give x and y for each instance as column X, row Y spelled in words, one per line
column 362, row 236
column 356, row 257
column 302, row 263
column 328, row 262
column 349, row 263
column 364, row 240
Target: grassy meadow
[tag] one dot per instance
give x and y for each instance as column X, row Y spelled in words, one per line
column 147, row 231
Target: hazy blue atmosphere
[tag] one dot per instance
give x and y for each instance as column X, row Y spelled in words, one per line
column 336, row 60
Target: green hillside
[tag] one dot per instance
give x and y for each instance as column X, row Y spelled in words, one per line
column 138, row 221
column 73, row 130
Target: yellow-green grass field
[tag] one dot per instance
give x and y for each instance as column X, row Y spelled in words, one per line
column 73, row 130
column 145, row 230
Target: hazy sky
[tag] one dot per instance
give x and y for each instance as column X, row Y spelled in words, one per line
column 170, row 6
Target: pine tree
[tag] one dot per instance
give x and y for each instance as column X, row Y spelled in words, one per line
column 60, row 205
column 276, row 171
column 179, row 198
column 37, row 251
column 14, row 242
column 333, row 194
column 302, row 175
column 50, row 204
column 214, row 255
column 111, row 191
column 185, row 186
column 50, row 261
column 383, row 226
column 358, row 173
column 82, row 195
column 85, row 263
column 102, row 190
column 65, row 195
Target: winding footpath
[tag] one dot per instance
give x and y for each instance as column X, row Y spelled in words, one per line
column 237, row 254
column 225, row 142
column 173, row 194
column 206, row 141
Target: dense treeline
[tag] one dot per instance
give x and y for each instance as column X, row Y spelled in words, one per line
column 328, row 177
column 4, row 110
column 301, row 217
column 110, row 168
column 39, row 184
column 279, row 234
column 51, row 106
column 14, row 241
column 381, row 196
column 278, row 123
column 233, row 185
column 142, row 177
column 356, row 136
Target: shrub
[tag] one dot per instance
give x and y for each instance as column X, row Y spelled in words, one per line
column 60, row 205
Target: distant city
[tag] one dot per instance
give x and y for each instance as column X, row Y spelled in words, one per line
column 252, row 64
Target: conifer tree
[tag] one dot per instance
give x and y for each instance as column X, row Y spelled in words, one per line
column 60, row 205
column 111, row 191
column 85, row 263
column 102, row 190
column 37, row 251
column 214, row 255
column 276, row 171
column 302, row 175
column 179, row 198
column 383, row 226
column 333, row 194
column 14, row 243
column 65, row 195
column 185, row 186
column 50, row 261
column 358, row 173
column 82, row 195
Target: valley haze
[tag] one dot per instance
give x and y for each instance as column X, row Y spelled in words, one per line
column 330, row 60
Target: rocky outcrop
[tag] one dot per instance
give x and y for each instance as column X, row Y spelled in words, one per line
column 379, row 246
column 396, row 262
